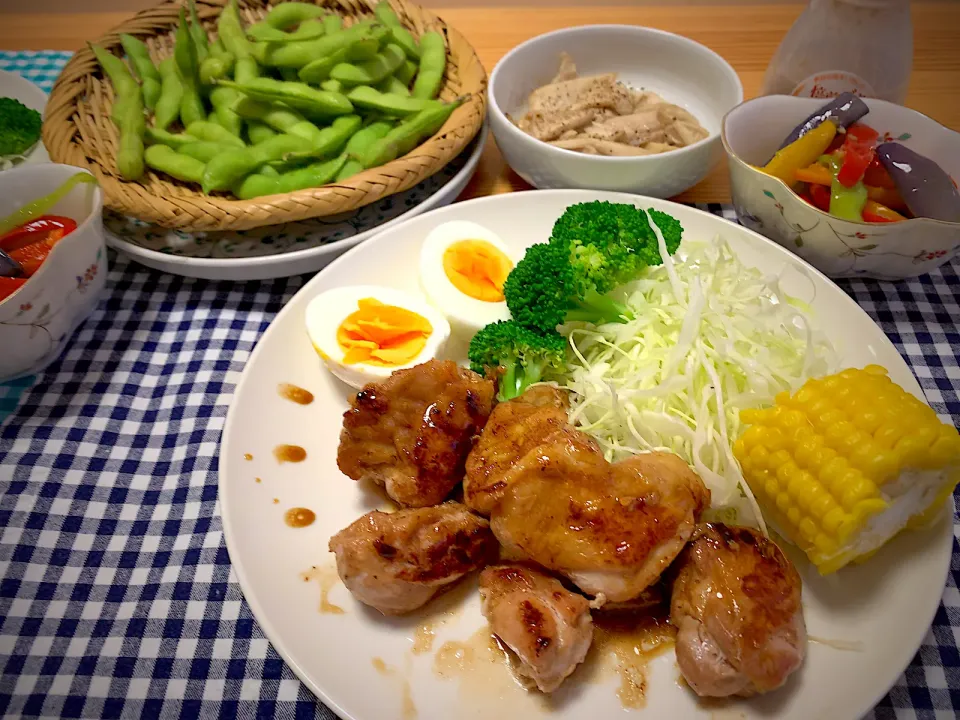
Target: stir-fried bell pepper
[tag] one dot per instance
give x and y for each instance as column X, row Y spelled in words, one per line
column 8, row 286
column 820, row 197
column 847, row 203
column 818, row 174
column 47, row 227
column 801, row 153
column 857, row 153
column 876, row 175
column 876, row 213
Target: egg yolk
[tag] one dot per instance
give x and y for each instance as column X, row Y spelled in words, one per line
column 477, row 269
column 380, row 334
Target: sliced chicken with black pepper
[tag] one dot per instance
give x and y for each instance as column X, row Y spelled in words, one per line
column 547, row 627
column 612, row 529
column 736, row 606
column 411, row 433
column 396, row 562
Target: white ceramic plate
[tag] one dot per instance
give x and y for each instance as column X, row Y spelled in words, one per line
column 290, row 249
column 19, row 88
column 885, row 605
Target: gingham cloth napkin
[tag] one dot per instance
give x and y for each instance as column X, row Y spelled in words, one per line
column 117, row 598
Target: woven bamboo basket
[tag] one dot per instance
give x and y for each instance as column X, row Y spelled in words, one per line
column 77, row 129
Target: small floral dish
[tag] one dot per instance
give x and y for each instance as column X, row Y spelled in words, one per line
column 753, row 131
column 37, row 320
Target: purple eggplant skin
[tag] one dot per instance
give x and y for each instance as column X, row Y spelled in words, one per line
column 926, row 189
column 844, row 110
column 9, row 267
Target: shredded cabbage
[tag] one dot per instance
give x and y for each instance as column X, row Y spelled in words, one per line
column 710, row 337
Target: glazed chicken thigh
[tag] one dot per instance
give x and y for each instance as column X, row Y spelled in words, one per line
column 736, row 606
column 610, row 528
column 411, row 433
column 396, row 562
column 514, row 429
column 548, row 627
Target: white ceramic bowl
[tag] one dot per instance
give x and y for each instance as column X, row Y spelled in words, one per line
column 753, row 131
column 682, row 71
column 38, row 319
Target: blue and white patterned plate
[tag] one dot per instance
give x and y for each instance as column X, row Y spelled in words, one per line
column 289, row 249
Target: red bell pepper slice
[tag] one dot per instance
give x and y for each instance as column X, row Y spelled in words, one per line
column 876, row 175
column 820, row 197
column 858, row 153
column 31, row 256
column 46, row 226
column 8, row 286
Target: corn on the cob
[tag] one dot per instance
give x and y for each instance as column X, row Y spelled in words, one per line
column 846, row 463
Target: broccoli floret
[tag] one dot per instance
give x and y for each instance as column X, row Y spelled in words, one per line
column 525, row 356
column 611, row 242
column 19, row 127
column 545, row 289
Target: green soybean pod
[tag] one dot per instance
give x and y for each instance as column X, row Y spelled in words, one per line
column 116, row 71
column 300, row 54
column 407, row 135
column 200, row 40
column 368, row 98
column 318, row 70
column 288, row 14
column 212, row 132
column 218, row 64
column 361, row 140
column 350, row 168
column 311, row 176
column 406, row 72
column 223, row 101
column 392, row 86
column 281, row 118
column 258, row 131
column 228, row 169
column 127, row 114
column 433, row 62
column 157, row 136
column 230, row 31
column 372, row 71
column 269, row 171
column 331, row 86
column 171, row 93
column 204, row 150
column 401, row 36
column 167, row 160
column 297, row 95
column 185, row 53
column 384, row 12
column 150, row 80
column 364, row 49
column 332, row 23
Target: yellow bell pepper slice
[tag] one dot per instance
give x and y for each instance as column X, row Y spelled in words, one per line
column 801, row 153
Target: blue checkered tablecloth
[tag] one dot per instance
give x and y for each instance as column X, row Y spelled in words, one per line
column 117, row 598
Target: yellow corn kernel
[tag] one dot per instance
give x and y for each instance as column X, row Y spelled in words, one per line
column 819, row 460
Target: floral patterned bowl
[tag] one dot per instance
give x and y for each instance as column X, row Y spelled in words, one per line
column 38, row 319
column 753, row 131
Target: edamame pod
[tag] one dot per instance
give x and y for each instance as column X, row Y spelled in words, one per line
column 406, row 72
column 223, row 99
column 312, row 176
column 150, row 80
column 361, row 140
column 332, row 23
column 280, row 117
column 319, row 70
column 211, row 132
column 171, row 93
column 331, row 86
column 259, row 131
column 433, row 62
column 367, row 98
column 372, row 71
column 185, row 53
column 228, row 169
column 167, row 160
column 407, row 135
column 401, row 36
column 200, row 40
column 393, row 86
column 156, row 136
column 297, row 95
column 218, row 64
column 288, row 14
column 299, row 54
column 204, row 150
column 127, row 114
column 230, row 29
column 349, row 169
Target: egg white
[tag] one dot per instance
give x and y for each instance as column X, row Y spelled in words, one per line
column 466, row 314
column 328, row 309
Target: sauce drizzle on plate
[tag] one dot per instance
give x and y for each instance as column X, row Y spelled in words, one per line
column 295, row 393
column 289, row 453
column 299, row 517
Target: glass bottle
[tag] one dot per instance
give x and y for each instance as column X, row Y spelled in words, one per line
column 860, row 46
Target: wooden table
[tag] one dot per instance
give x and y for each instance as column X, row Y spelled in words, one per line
column 746, row 35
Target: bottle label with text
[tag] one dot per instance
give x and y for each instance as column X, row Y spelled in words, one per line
column 829, row 84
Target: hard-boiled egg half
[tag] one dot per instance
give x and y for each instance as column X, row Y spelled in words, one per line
column 463, row 266
column 363, row 333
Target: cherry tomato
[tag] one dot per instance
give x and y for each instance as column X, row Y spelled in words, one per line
column 8, row 286
column 45, row 226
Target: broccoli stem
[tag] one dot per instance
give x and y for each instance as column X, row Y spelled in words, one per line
column 598, row 309
column 509, row 383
